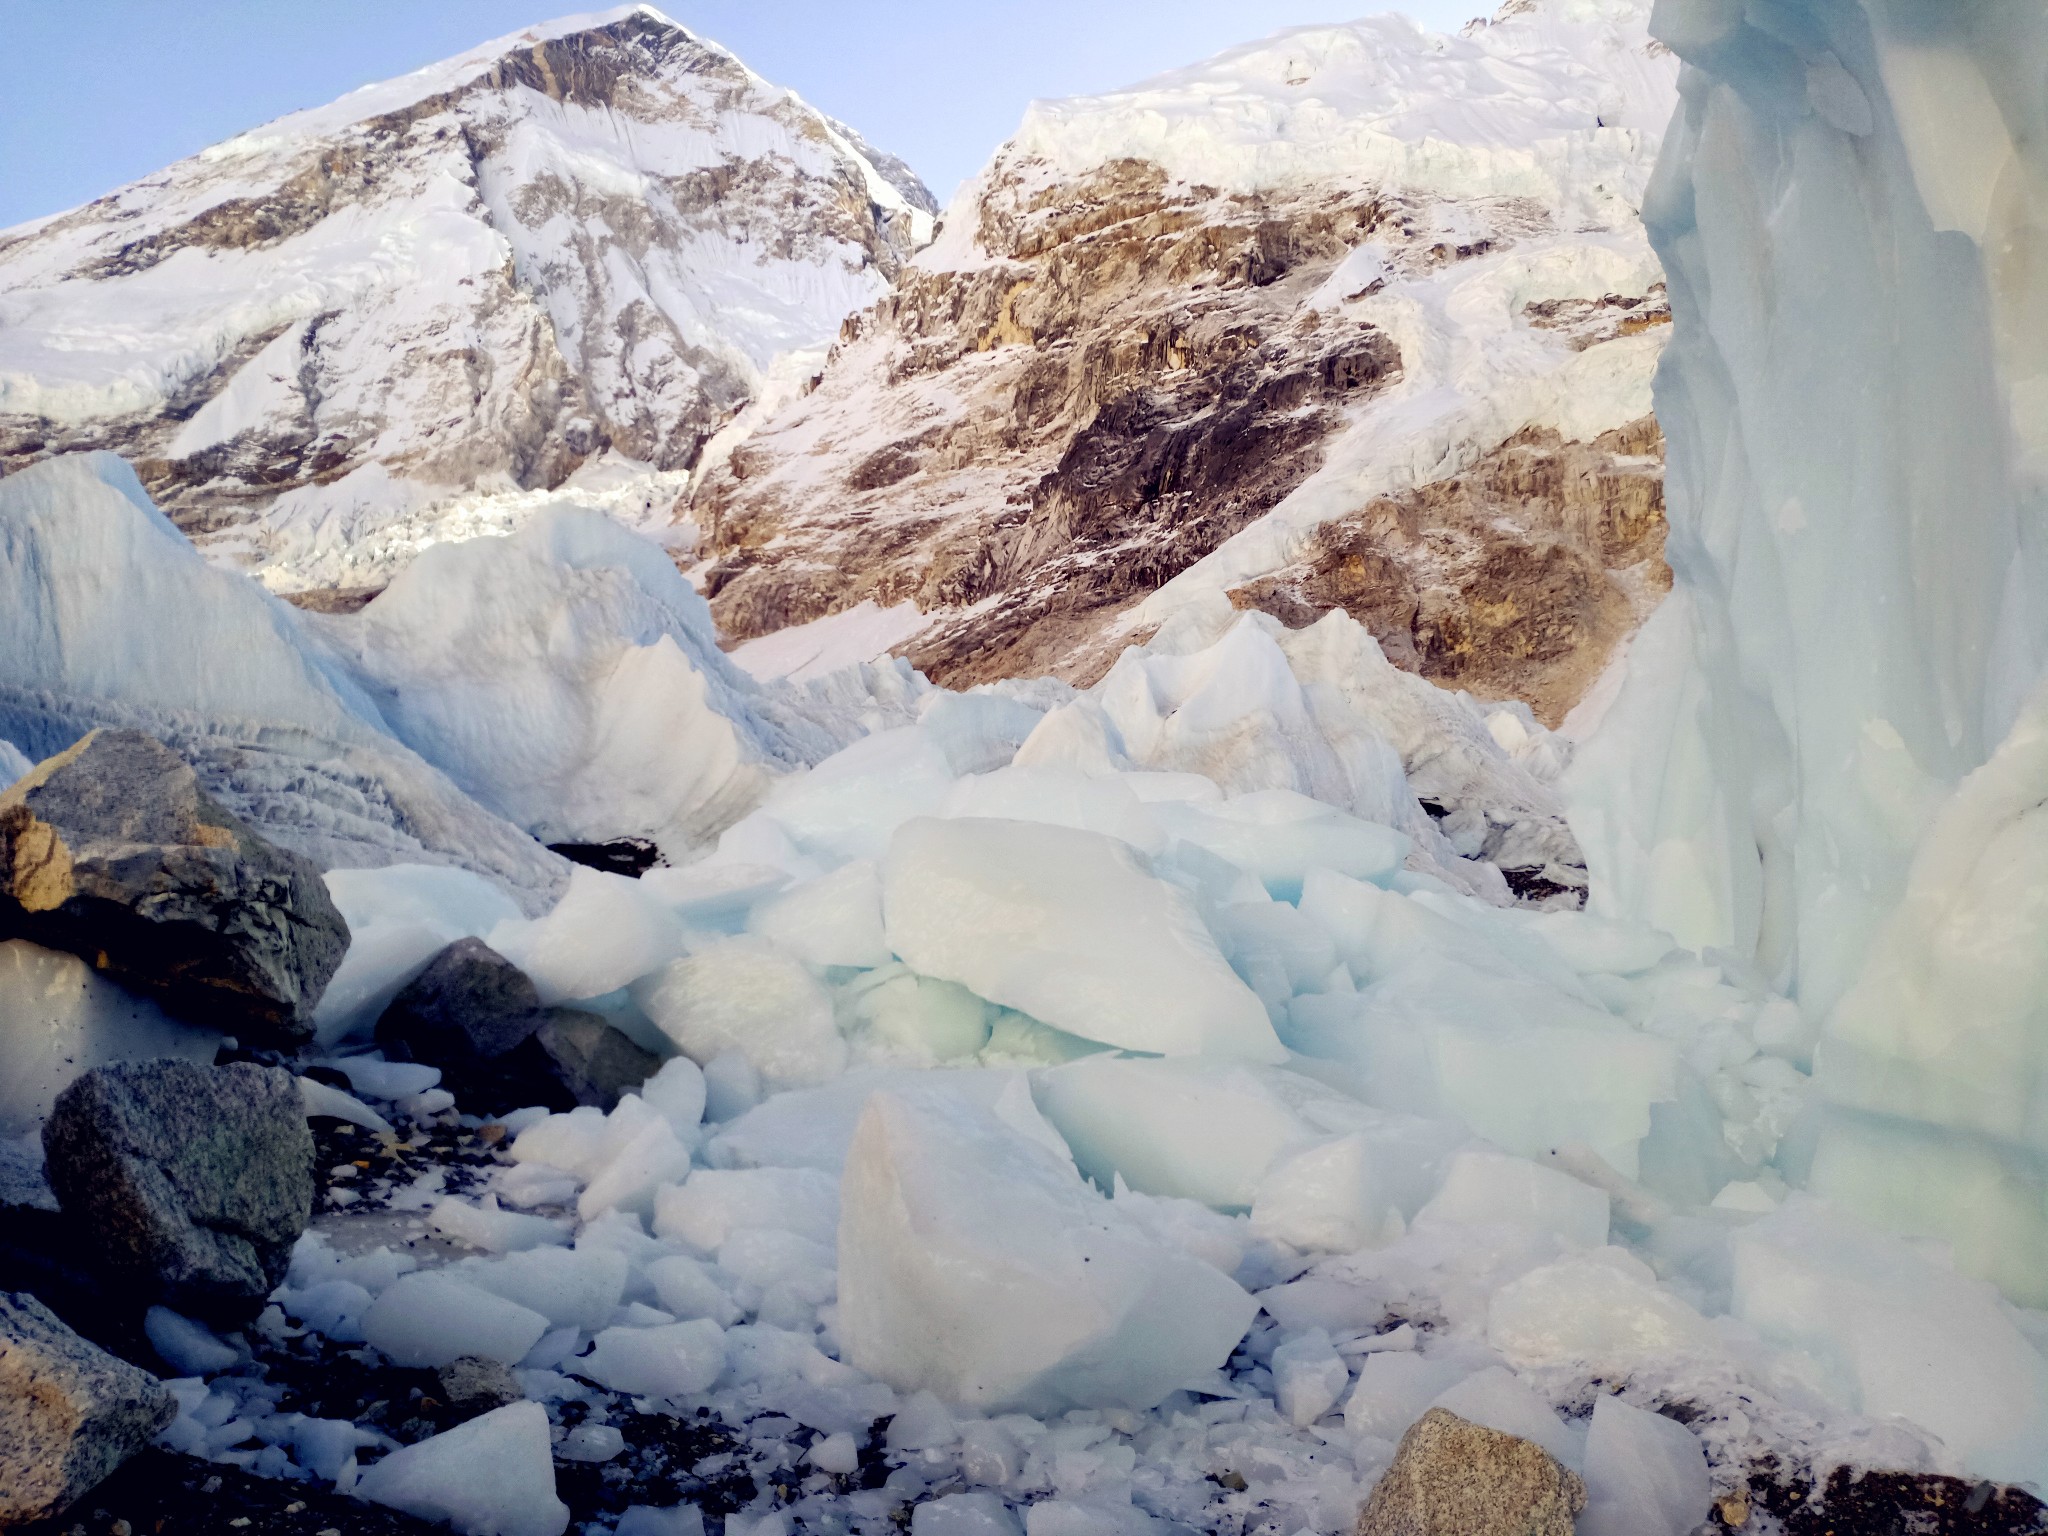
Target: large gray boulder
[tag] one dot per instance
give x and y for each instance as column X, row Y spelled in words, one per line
column 189, row 1184
column 1452, row 1477
column 112, row 850
column 70, row 1413
column 478, row 1017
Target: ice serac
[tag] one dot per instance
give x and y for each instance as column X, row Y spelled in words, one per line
column 604, row 236
column 1068, row 927
column 1852, row 214
column 569, row 679
column 113, row 619
column 1353, row 317
column 975, row 1264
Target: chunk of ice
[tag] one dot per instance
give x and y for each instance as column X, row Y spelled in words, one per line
column 494, row 1476
column 1066, row 926
column 975, row 1263
column 432, row 1317
column 1646, row 1475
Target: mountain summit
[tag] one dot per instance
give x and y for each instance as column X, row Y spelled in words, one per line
column 576, row 251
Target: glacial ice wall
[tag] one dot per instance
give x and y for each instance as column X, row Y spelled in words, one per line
column 1851, row 211
column 1853, row 215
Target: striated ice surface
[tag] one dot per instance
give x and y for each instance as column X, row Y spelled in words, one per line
column 976, row 1264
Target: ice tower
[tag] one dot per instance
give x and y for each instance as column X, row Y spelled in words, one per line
column 1805, row 765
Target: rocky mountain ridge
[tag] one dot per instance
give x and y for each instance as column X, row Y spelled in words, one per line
column 1381, row 295
column 569, row 256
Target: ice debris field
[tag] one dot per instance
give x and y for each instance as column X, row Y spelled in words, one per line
column 1150, row 1100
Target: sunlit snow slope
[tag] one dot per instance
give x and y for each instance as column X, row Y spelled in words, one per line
column 405, row 316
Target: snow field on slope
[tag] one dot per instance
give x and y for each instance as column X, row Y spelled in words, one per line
column 1418, row 1147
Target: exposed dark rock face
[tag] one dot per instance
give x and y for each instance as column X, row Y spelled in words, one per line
column 70, row 1413
column 112, row 850
column 1028, row 445
column 187, row 1184
column 1514, row 579
column 593, row 1062
column 1143, row 386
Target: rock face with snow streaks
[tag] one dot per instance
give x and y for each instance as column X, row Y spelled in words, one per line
column 1344, row 286
column 596, row 237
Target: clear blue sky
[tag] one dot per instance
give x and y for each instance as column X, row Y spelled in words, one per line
column 94, row 93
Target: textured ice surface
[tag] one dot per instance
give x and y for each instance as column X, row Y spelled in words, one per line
column 976, row 1264
column 1068, row 927
column 570, row 679
column 59, row 1017
column 493, row 1476
column 114, row 619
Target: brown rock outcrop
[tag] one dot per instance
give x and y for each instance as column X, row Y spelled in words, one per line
column 1515, row 579
column 1027, row 446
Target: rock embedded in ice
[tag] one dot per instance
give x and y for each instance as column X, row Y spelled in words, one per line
column 472, row 1385
column 745, row 996
column 1646, row 1475
column 192, row 1182
column 115, row 852
column 589, row 1059
column 1067, row 927
column 1195, row 1129
column 64, row 1018
column 70, row 1413
column 1496, row 1398
column 1453, row 1476
column 493, row 1476
column 1394, row 1389
column 674, row 1360
column 433, row 1317
column 468, row 1012
column 1600, row 1311
column 974, row 1263
column 400, row 917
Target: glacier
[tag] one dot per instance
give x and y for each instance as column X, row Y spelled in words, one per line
column 1822, row 755
column 1151, row 1097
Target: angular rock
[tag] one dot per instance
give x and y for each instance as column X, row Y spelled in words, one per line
column 70, row 1413
column 464, row 1013
column 1454, row 1478
column 473, row 1385
column 592, row 1061
column 189, row 1184
column 111, row 850
column 478, row 1017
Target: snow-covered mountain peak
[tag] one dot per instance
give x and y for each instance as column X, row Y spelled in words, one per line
column 415, row 312
column 1383, row 95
